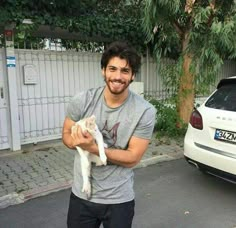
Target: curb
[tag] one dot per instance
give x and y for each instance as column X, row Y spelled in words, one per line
column 158, row 159
column 153, row 161
column 17, row 198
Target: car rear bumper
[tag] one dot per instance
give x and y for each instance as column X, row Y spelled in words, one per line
column 210, row 157
column 212, row 171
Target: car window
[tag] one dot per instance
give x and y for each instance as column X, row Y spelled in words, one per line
column 224, row 98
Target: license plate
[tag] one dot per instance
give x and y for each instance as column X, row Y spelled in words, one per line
column 223, row 135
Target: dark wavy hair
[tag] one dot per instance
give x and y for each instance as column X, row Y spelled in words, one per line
column 124, row 51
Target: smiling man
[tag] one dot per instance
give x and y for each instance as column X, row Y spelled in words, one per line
column 126, row 122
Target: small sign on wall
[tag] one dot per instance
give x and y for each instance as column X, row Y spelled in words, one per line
column 11, row 61
column 30, row 74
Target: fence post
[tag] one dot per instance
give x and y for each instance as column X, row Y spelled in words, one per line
column 12, row 88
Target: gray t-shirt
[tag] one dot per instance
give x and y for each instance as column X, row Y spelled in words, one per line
column 112, row 183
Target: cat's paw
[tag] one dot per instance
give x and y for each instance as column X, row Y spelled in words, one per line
column 87, row 189
column 103, row 158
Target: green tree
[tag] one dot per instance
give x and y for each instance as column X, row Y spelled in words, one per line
column 199, row 34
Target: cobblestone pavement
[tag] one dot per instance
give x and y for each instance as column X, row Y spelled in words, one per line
column 48, row 167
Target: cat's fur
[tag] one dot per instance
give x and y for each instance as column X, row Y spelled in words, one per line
column 86, row 158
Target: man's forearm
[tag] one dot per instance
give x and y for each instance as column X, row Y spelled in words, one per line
column 130, row 156
column 122, row 157
column 68, row 140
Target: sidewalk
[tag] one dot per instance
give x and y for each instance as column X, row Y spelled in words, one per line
column 48, row 167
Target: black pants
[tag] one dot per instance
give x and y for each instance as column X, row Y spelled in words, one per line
column 85, row 214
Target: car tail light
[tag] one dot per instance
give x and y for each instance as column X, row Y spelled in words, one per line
column 196, row 120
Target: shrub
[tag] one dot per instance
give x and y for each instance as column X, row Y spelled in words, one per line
column 167, row 119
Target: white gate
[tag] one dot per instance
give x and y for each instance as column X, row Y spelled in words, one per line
column 46, row 87
column 4, row 121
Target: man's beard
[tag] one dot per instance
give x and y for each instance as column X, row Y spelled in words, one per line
column 126, row 85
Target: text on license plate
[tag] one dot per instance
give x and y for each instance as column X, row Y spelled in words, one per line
column 225, row 135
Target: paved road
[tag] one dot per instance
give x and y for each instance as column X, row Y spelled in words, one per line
column 168, row 195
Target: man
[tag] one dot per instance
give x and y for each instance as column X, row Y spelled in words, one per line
column 126, row 121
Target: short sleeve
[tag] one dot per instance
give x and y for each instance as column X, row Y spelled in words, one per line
column 75, row 107
column 145, row 126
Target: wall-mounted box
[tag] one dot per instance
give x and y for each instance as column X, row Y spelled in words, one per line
column 30, row 74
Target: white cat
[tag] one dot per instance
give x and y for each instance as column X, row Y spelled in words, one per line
column 86, row 158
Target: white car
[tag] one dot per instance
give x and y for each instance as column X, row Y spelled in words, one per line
column 210, row 141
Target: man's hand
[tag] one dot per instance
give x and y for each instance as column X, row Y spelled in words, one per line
column 83, row 139
column 77, row 137
column 80, row 138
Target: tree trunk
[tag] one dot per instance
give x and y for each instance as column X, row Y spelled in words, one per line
column 186, row 88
